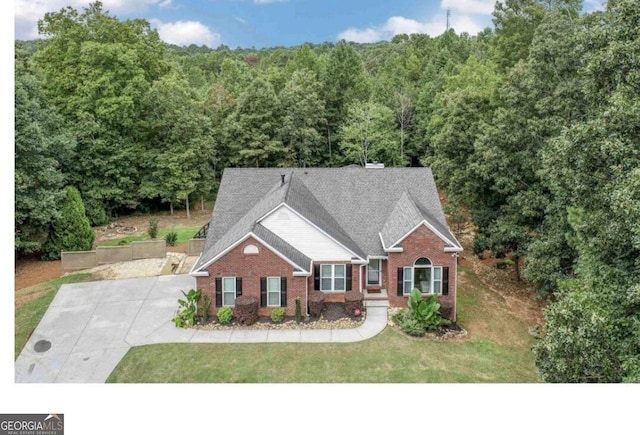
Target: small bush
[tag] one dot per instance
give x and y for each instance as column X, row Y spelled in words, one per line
column 171, row 238
column 503, row 264
column 187, row 309
column 225, row 315
column 408, row 323
column 353, row 301
column 246, row 310
column 316, row 303
column 205, row 305
column 298, row 310
column 153, row 228
column 123, row 242
column 277, row 315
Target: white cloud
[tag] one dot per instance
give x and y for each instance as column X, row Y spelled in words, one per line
column 266, row 2
column 186, row 33
column 401, row 25
column 479, row 7
column 28, row 12
column 362, row 36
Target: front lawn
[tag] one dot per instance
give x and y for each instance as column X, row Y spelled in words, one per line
column 497, row 350
column 39, row 297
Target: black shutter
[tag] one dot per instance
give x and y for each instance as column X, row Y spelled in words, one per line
column 349, row 273
column 238, row 287
column 283, row 291
column 263, row 292
column 400, row 281
column 316, row 277
column 445, row 281
column 218, row 292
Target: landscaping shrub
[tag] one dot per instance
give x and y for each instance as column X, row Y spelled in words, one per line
column 225, row 315
column 153, row 227
column 426, row 311
column 71, row 230
column 503, row 264
column 409, row 324
column 204, row 306
column 353, row 301
column 423, row 315
column 277, row 315
column 316, row 304
column 187, row 309
column 298, row 310
column 246, row 310
column 171, row 238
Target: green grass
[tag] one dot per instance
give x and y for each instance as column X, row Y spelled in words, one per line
column 28, row 315
column 184, row 234
column 497, row 350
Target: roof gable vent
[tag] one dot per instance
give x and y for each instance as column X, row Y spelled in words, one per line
column 374, row 165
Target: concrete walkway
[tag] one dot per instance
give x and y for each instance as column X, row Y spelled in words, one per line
column 90, row 326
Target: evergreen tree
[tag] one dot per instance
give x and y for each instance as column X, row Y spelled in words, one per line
column 71, row 231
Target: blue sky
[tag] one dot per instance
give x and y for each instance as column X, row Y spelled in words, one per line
column 268, row 23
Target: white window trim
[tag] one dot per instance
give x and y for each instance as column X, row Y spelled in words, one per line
column 379, row 271
column 224, row 291
column 279, row 291
column 431, row 283
column 333, row 277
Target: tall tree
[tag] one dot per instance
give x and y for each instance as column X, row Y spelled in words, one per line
column 42, row 147
column 254, row 126
column 368, row 135
column 97, row 69
column 303, row 117
column 179, row 150
column 593, row 168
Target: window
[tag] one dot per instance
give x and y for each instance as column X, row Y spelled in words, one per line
column 408, row 280
column 423, row 276
column 373, row 272
column 251, row 250
column 437, row 280
column 228, row 292
column 273, row 291
column 333, row 277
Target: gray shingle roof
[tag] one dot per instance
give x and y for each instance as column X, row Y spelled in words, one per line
column 298, row 258
column 353, row 205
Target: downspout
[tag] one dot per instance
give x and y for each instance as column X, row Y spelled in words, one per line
column 360, row 278
column 455, row 280
column 306, row 304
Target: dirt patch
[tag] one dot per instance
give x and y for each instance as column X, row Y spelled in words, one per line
column 520, row 297
column 31, row 271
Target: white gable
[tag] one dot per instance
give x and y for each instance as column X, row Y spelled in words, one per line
column 304, row 236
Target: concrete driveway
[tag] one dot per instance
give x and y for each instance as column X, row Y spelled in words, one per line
column 90, row 326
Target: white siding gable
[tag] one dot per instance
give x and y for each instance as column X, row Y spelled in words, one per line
column 304, row 236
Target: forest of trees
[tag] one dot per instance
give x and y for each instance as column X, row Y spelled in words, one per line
column 532, row 126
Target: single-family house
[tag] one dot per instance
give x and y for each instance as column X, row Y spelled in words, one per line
column 280, row 234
